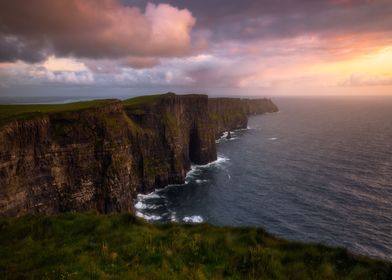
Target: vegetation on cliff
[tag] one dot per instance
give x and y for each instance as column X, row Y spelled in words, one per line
column 142, row 100
column 120, row 246
column 20, row 112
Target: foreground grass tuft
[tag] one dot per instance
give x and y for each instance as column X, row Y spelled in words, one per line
column 120, row 246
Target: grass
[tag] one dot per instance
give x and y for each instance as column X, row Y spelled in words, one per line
column 18, row 112
column 120, row 246
column 22, row 112
column 133, row 106
column 141, row 100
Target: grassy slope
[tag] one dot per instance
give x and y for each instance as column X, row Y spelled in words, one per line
column 140, row 100
column 16, row 112
column 120, row 246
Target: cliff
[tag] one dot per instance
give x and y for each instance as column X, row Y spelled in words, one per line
column 227, row 114
column 100, row 154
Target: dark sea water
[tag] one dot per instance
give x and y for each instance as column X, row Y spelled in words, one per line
column 319, row 170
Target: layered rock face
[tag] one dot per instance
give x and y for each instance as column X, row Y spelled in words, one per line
column 100, row 158
column 228, row 114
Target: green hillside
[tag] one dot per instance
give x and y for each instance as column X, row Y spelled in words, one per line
column 120, row 246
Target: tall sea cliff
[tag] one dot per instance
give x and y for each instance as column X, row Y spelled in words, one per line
column 100, row 156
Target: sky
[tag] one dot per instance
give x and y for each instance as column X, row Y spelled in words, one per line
column 226, row 47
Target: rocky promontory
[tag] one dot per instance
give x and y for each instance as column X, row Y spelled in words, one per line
column 99, row 155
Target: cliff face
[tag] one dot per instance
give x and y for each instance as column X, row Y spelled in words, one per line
column 100, row 158
column 232, row 113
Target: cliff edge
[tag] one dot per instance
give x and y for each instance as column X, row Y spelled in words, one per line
column 100, row 154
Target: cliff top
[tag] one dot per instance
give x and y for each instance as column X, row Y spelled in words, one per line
column 17, row 112
column 141, row 100
column 149, row 99
column 10, row 113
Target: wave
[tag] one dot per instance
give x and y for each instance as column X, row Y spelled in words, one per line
column 146, row 203
column 197, row 169
column 173, row 216
column 193, row 219
column 148, row 217
column 150, row 195
column 218, row 161
column 140, row 205
column 199, row 181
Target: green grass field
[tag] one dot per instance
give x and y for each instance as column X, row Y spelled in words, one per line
column 140, row 100
column 120, row 246
column 17, row 112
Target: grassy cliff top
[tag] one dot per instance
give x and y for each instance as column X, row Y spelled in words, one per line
column 26, row 111
column 21, row 112
column 149, row 99
column 142, row 100
column 120, row 246
column 17, row 112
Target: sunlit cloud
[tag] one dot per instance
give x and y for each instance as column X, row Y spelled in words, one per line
column 270, row 47
column 63, row 64
column 367, row 80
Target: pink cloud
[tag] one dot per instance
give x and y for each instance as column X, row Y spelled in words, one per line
column 356, row 80
column 140, row 62
column 92, row 29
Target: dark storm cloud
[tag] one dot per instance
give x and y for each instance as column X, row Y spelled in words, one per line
column 12, row 49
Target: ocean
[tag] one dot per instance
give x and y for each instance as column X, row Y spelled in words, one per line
column 319, row 170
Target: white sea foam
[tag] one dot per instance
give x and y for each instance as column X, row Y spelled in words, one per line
column 222, row 138
column 193, row 219
column 173, row 216
column 199, row 181
column 148, row 217
column 145, row 202
column 196, row 169
column 218, row 161
column 141, row 206
column 153, row 194
column 242, row 129
column 273, row 138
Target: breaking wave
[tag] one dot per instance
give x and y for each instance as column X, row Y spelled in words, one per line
column 193, row 219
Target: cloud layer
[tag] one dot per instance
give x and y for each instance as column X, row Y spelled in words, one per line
column 285, row 46
column 92, row 29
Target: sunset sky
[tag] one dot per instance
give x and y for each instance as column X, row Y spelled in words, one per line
column 231, row 47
